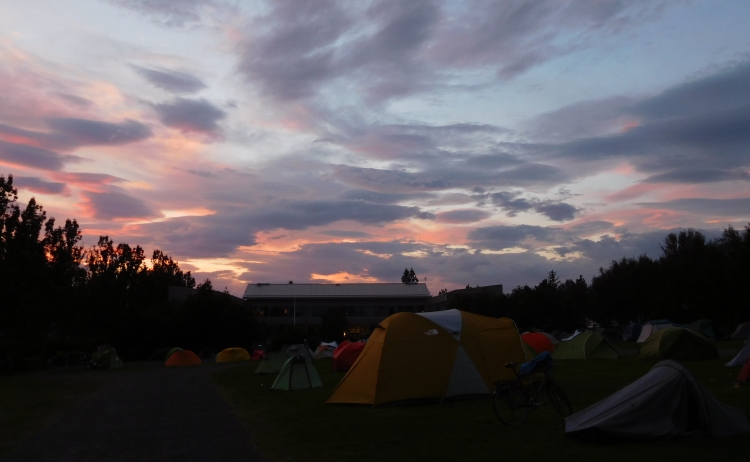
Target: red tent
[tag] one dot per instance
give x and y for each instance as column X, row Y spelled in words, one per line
column 538, row 341
column 341, row 346
column 258, row 354
column 745, row 373
column 343, row 358
column 183, row 358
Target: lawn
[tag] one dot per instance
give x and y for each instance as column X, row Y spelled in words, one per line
column 299, row 426
column 31, row 401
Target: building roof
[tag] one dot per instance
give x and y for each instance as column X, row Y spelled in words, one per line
column 385, row 290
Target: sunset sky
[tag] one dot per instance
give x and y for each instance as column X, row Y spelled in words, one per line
column 318, row 141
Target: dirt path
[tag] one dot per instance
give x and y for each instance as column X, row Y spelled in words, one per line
column 147, row 414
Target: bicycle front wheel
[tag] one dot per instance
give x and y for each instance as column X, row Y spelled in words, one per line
column 558, row 400
column 511, row 405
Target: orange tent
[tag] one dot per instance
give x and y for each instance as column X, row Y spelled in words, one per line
column 183, row 358
column 344, row 358
column 232, row 354
column 538, row 341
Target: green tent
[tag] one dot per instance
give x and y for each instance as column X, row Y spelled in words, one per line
column 708, row 329
column 272, row 363
column 678, row 343
column 105, row 356
column 586, row 345
column 298, row 373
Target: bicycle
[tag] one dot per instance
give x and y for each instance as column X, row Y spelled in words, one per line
column 512, row 399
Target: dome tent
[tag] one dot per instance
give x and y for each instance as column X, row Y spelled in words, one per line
column 433, row 355
column 272, row 363
column 183, row 358
column 742, row 357
column 325, row 350
column 345, row 357
column 298, row 373
column 666, row 402
column 232, row 354
column 105, row 356
column 586, row 345
column 299, row 350
column 632, row 331
column 171, row 352
column 538, row 341
column 742, row 331
column 678, row 343
column 652, row 327
column 708, row 329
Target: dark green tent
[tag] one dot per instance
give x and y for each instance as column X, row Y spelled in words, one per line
column 586, row 345
column 678, row 343
column 708, row 329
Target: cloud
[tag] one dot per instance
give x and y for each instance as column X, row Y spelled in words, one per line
column 82, row 132
column 376, row 197
column 116, row 204
column 345, row 233
column 168, row 12
column 191, row 115
column 503, row 237
column 75, row 100
column 708, row 207
column 39, row 185
column 699, row 175
column 462, row 216
column 512, row 204
column 589, row 227
column 34, row 157
column 172, row 81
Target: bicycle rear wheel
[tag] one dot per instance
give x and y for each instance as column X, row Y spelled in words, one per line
column 558, row 400
column 510, row 403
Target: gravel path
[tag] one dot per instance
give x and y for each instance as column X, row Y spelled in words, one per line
column 149, row 414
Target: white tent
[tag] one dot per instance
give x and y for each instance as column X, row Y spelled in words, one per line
column 666, row 402
column 652, row 328
column 299, row 350
column 324, row 350
column 742, row 356
column 742, row 331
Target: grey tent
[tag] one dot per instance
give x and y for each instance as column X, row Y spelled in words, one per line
column 299, row 350
column 742, row 356
column 742, row 331
column 666, row 402
column 298, row 373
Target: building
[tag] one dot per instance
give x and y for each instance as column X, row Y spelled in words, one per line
column 364, row 305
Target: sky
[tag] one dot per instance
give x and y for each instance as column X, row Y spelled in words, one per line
column 476, row 142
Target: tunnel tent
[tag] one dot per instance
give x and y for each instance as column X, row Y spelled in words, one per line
column 666, row 402
column 537, row 341
column 586, row 345
column 708, row 329
column 272, row 363
column 297, row 373
column 106, row 356
column 742, row 357
column 678, row 343
column 431, row 356
column 183, row 358
column 653, row 327
column 229, row 355
column 299, row 350
column 742, row 331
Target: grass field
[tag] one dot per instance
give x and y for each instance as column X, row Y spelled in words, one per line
column 298, row 426
column 29, row 402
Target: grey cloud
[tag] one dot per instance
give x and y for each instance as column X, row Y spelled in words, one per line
column 202, row 173
column 591, row 227
column 503, row 237
column 708, row 207
column 462, row 216
column 172, row 81
column 116, row 203
column 344, row 233
column 83, row 132
column 39, row 185
column 170, row 13
column 191, row 115
column 373, row 196
column 699, row 175
column 88, row 178
column 512, row 204
column 31, row 156
column 76, row 100
column 200, row 237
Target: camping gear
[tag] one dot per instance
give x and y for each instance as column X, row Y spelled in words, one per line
column 258, row 354
column 272, row 363
column 586, row 345
column 171, row 352
column 742, row 331
column 708, row 329
column 299, row 350
column 297, row 374
column 324, row 350
column 345, row 357
column 183, row 358
column 652, row 327
column 105, row 356
column 666, row 402
column 432, row 355
column 538, row 341
column 232, row 354
column 742, row 356
column 632, row 331
column 678, row 343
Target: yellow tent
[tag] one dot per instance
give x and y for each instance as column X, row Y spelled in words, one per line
column 431, row 355
column 232, row 354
